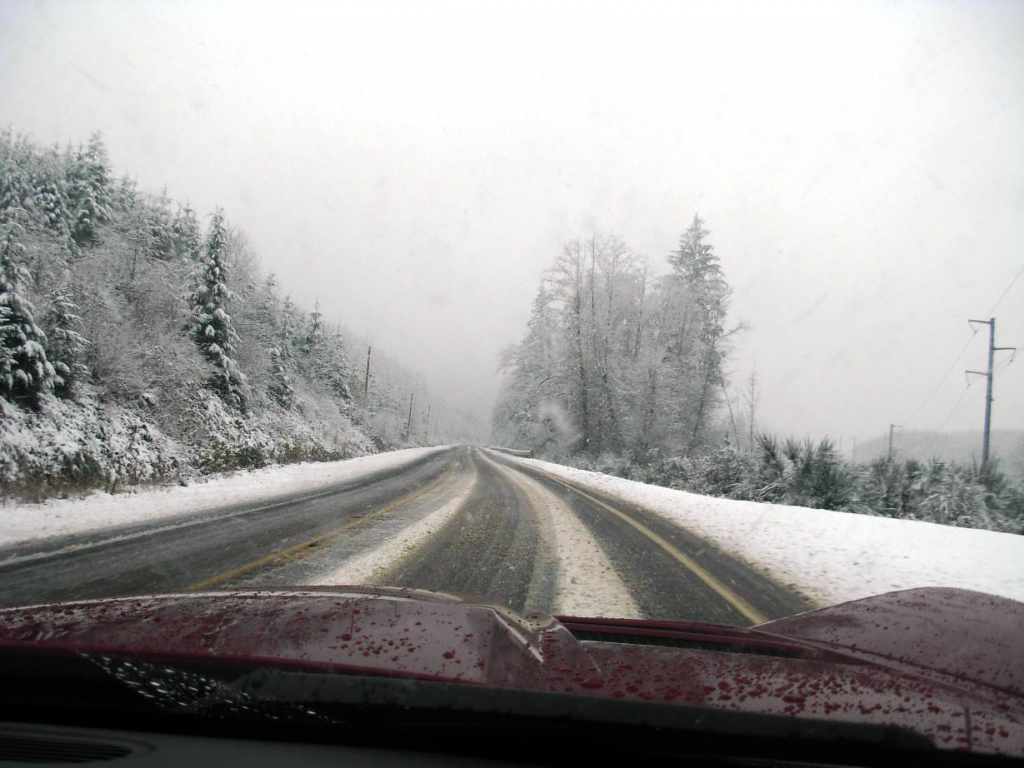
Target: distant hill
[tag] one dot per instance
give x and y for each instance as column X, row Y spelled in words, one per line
column 1007, row 446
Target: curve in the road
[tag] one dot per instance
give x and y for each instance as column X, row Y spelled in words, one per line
column 671, row 573
column 464, row 520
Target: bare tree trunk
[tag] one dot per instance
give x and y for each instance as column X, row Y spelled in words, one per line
column 752, row 396
column 640, row 314
column 732, row 420
column 650, row 406
column 710, row 372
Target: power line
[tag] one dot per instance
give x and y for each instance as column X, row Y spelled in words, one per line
column 955, row 411
column 958, row 411
column 920, row 407
column 974, row 332
column 1000, row 299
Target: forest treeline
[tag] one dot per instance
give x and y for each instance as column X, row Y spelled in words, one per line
column 616, row 360
column 623, row 371
column 140, row 341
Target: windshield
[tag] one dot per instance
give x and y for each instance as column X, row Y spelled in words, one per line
column 698, row 313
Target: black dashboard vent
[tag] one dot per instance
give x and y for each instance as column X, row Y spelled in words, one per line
column 23, row 749
column 681, row 641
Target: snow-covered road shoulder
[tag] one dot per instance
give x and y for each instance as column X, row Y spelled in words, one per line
column 830, row 556
column 20, row 523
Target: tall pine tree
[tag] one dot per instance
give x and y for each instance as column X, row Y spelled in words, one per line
column 213, row 329
column 188, row 242
column 324, row 355
column 89, row 189
column 697, row 264
column 50, row 198
column 275, row 322
column 25, row 373
column 698, row 268
column 66, row 346
column 313, row 343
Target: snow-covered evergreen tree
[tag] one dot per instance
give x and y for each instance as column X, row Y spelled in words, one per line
column 185, row 234
column 49, row 191
column 281, row 388
column 65, row 345
column 25, row 372
column 213, row 329
column 699, row 338
column 313, row 345
column 313, row 342
column 144, row 224
column 335, row 368
column 287, row 328
column 6, row 326
column 269, row 325
column 15, row 161
column 159, row 228
column 89, row 190
column 283, row 364
column 699, row 267
column 324, row 355
column 526, row 407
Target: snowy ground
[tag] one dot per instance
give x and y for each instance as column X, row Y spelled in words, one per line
column 99, row 510
column 831, row 557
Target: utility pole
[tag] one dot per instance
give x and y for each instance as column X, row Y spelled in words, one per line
column 408, row 424
column 892, row 427
column 427, row 436
column 992, row 349
column 366, row 381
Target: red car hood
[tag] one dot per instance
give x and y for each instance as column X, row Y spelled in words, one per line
column 946, row 663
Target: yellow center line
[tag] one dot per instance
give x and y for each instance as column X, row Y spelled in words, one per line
column 310, row 546
column 737, row 602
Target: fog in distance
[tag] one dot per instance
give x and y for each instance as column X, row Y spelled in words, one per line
column 415, row 167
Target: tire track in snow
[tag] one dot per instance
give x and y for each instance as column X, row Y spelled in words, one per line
column 671, row 573
column 368, row 567
column 587, row 583
column 493, row 550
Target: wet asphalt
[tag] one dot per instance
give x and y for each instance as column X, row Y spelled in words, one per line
column 661, row 586
column 494, row 548
column 190, row 550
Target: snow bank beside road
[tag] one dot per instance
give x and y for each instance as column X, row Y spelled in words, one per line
column 20, row 523
column 831, row 557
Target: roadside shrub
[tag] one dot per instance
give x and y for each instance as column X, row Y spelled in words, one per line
column 806, row 474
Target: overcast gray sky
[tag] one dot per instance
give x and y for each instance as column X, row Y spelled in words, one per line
column 415, row 167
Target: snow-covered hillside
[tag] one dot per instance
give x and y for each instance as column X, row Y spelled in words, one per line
column 137, row 348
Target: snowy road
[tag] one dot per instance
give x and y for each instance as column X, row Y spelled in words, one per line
column 460, row 520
